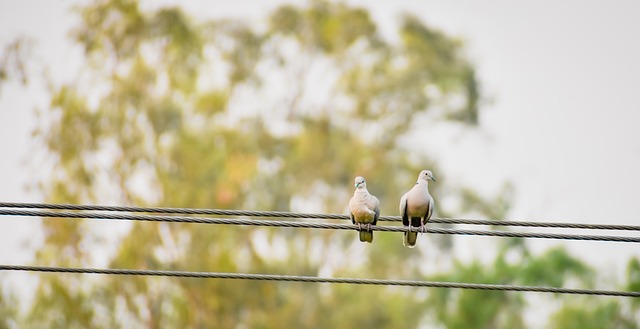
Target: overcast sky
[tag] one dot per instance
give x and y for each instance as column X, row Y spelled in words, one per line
column 563, row 77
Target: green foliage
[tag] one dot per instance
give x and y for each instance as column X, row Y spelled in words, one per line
column 476, row 308
column 552, row 268
column 8, row 310
column 61, row 303
column 633, row 274
column 633, row 279
column 500, row 309
column 593, row 314
column 13, row 61
column 494, row 209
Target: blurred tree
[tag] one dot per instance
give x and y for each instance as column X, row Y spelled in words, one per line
column 8, row 310
column 633, row 280
column 13, row 61
column 222, row 114
column 501, row 309
column 592, row 312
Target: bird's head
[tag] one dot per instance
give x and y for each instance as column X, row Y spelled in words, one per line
column 360, row 182
column 426, row 175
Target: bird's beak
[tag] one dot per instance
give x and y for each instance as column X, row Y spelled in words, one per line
column 433, row 178
column 357, row 184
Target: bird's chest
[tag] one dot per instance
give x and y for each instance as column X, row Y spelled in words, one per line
column 417, row 206
column 363, row 214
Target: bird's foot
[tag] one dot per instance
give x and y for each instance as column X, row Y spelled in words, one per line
column 369, row 227
column 422, row 229
column 359, row 226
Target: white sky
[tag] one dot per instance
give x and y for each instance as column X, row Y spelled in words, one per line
column 564, row 78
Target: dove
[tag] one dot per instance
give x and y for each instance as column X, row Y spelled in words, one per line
column 364, row 208
column 416, row 207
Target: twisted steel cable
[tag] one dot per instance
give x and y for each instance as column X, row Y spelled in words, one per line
column 283, row 214
column 313, row 279
column 299, row 224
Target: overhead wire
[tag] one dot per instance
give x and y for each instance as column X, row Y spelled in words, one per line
column 123, row 213
column 306, row 224
column 313, row 279
column 283, row 214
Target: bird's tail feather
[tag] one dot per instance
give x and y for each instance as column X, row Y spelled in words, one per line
column 366, row 236
column 410, row 239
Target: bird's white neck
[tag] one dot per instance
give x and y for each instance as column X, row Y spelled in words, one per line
column 361, row 191
column 423, row 184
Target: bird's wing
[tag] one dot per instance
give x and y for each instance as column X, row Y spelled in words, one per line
column 430, row 210
column 403, row 210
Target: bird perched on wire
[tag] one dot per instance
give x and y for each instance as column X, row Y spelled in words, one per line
column 364, row 208
column 416, row 207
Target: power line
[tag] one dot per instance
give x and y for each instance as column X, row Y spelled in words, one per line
column 313, row 279
column 283, row 214
column 300, row 224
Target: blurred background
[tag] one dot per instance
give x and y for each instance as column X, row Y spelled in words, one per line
column 524, row 111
